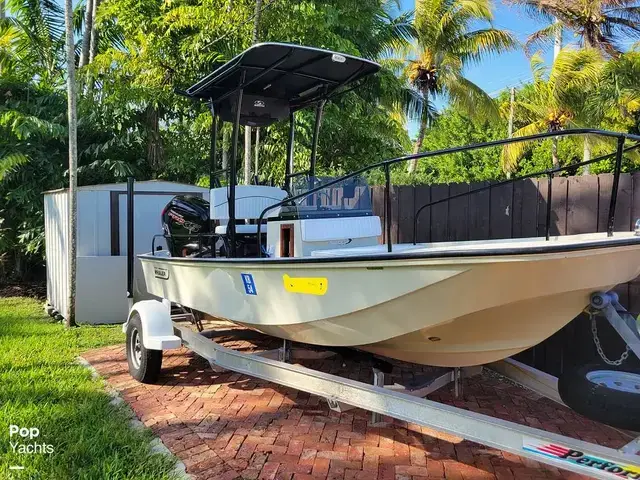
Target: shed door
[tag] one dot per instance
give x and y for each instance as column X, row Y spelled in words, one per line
column 147, row 221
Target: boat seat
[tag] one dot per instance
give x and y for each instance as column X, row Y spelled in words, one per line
column 241, row 229
column 251, row 200
column 328, row 229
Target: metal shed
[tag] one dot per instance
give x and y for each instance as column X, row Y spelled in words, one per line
column 102, row 247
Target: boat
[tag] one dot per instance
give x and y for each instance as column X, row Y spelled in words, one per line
column 305, row 262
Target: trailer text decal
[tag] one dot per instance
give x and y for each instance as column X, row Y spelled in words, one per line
column 589, row 462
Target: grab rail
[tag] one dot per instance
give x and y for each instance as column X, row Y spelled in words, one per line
column 386, row 164
column 549, row 172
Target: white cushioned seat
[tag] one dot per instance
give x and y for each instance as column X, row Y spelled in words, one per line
column 242, row 229
column 327, row 229
column 251, row 200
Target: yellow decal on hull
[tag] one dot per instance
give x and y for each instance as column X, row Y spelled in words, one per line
column 308, row 285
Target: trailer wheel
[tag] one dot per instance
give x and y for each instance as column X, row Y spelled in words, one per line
column 605, row 393
column 144, row 364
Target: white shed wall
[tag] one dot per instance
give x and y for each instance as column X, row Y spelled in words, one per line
column 101, row 292
column 94, row 224
column 101, row 278
column 56, row 247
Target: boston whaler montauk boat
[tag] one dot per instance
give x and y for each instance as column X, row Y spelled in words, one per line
column 304, row 263
column 317, row 274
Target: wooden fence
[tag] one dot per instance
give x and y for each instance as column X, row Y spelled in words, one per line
column 578, row 205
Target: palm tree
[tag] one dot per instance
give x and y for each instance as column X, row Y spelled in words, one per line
column 618, row 96
column 447, row 42
column 597, row 23
column 88, row 29
column 70, row 316
column 38, row 39
column 558, row 99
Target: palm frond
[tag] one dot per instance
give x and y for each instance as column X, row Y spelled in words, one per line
column 541, row 39
column 538, row 68
column 10, row 161
column 534, row 8
column 513, row 152
column 574, row 69
column 469, row 97
column 534, row 111
column 476, row 45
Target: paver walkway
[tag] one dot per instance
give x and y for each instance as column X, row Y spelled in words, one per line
column 230, row 426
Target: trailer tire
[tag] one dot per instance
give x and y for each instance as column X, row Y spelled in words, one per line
column 605, row 393
column 144, row 364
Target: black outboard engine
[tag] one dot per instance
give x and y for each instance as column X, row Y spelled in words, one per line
column 186, row 224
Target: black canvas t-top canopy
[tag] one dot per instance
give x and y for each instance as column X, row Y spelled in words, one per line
column 276, row 79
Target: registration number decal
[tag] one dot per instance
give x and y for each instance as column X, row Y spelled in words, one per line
column 249, row 284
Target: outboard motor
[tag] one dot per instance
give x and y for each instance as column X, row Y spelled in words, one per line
column 184, row 219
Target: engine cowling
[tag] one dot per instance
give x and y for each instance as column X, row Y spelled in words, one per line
column 186, row 223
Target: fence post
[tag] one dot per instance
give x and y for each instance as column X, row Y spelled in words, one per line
column 614, row 187
column 549, row 183
column 387, row 201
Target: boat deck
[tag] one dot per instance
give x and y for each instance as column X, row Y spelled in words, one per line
column 494, row 247
column 228, row 426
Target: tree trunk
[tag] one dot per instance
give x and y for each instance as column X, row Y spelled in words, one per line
column 247, row 130
column 256, row 20
column 586, row 170
column 225, row 148
column 70, row 317
column 557, row 41
column 247, row 155
column 88, row 31
column 155, row 148
column 255, row 153
column 93, row 47
column 421, row 133
column 512, row 101
column 2, row 16
column 554, row 152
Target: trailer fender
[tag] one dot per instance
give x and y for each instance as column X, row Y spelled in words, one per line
column 157, row 327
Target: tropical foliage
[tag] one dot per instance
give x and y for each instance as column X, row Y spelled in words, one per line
column 446, row 42
column 598, row 24
column 133, row 54
column 556, row 99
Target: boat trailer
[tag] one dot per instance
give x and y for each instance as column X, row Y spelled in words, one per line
column 160, row 330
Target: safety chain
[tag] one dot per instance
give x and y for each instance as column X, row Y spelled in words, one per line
column 596, row 340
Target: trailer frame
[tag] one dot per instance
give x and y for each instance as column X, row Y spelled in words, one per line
column 546, row 447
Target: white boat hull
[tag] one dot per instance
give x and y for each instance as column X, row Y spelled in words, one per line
column 430, row 306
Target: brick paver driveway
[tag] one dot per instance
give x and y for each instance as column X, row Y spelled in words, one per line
column 229, row 426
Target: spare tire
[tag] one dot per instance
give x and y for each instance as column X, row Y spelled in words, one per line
column 605, row 393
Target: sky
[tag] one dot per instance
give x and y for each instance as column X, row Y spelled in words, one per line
column 495, row 73
column 508, row 69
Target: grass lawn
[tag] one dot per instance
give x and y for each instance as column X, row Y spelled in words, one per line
column 41, row 386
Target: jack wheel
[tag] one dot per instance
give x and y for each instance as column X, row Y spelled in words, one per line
column 606, row 393
column 144, row 364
